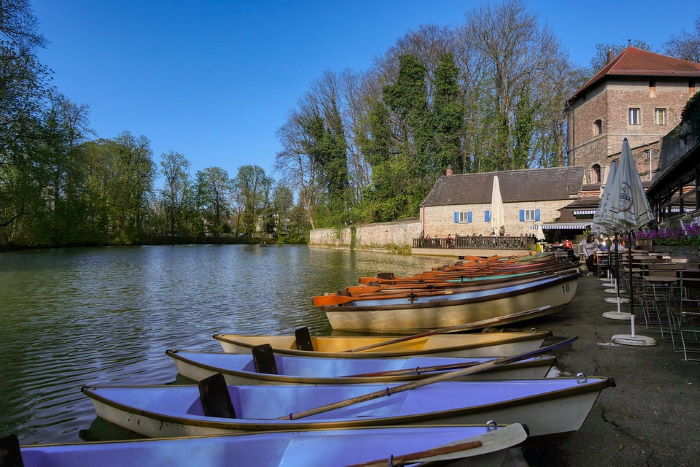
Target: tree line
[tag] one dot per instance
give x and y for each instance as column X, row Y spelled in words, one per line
column 486, row 95
column 59, row 187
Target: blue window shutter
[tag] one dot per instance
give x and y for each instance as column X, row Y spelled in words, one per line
column 469, row 217
column 487, row 216
column 537, row 214
column 522, row 215
column 456, row 217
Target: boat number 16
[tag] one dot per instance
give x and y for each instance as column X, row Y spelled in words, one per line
column 565, row 288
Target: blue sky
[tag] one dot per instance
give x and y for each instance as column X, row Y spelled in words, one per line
column 214, row 79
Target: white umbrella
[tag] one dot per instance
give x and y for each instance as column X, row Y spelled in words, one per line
column 628, row 210
column 497, row 216
column 539, row 232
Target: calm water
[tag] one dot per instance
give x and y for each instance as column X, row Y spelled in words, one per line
column 72, row 317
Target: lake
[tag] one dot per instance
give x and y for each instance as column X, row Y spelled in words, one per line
column 83, row 316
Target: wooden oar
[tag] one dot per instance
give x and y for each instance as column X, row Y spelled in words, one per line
column 446, row 330
column 418, row 370
column 416, row 457
column 328, row 300
column 425, row 382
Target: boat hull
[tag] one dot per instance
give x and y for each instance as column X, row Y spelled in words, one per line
column 237, row 369
column 549, row 407
column 506, row 310
column 439, row 345
column 289, row 449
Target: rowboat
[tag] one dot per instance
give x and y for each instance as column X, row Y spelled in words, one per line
column 549, row 406
column 505, row 302
column 241, row 368
column 440, row 345
column 483, row 445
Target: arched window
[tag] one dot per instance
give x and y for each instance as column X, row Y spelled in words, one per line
column 597, row 127
column 595, row 174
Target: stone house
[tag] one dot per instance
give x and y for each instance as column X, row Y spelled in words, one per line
column 638, row 95
column 461, row 204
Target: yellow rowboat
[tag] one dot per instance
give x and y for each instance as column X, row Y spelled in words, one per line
column 443, row 345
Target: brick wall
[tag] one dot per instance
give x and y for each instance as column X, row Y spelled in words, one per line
column 439, row 220
column 610, row 102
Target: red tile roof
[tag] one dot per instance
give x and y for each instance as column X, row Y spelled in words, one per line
column 637, row 62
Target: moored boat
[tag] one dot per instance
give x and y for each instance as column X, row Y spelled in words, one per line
column 241, row 368
column 442, row 345
column 550, row 406
column 481, row 445
column 503, row 302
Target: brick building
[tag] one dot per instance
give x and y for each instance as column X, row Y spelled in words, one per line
column 638, row 95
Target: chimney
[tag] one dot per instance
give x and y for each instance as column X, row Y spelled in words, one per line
column 449, row 170
column 610, row 56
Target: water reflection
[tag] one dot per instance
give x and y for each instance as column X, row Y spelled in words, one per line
column 72, row 317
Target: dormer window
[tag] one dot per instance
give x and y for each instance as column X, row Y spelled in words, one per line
column 597, row 127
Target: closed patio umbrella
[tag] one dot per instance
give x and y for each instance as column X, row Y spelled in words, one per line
column 628, row 210
column 497, row 215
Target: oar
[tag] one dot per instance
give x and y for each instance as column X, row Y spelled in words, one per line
column 418, row 370
column 328, row 300
column 416, row 457
column 425, row 382
column 446, row 330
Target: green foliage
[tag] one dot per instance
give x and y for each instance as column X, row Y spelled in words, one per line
column 447, row 118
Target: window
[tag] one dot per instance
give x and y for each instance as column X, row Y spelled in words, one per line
column 691, row 88
column 595, row 173
column 634, row 116
column 597, row 127
column 463, row 217
column 529, row 215
column 652, row 88
column 487, row 216
column 660, row 116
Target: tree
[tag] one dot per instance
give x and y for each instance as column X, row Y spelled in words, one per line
column 686, row 45
column 448, row 116
column 175, row 169
column 213, row 191
column 252, row 186
column 18, row 25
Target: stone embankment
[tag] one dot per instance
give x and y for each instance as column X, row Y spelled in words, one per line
column 397, row 235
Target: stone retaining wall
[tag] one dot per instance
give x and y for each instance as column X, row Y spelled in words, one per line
column 378, row 235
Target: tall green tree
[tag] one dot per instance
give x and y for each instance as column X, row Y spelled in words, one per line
column 448, row 117
column 213, row 197
column 175, row 169
column 252, row 187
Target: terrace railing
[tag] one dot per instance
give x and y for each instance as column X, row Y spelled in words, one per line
column 477, row 243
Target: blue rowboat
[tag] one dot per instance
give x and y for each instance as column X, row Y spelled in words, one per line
column 549, row 406
column 482, row 444
column 241, row 368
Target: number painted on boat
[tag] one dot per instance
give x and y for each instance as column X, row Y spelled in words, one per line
column 566, row 288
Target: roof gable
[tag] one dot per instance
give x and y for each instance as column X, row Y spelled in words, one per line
column 637, row 62
column 558, row 183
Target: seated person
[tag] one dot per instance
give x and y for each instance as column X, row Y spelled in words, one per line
column 590, row 245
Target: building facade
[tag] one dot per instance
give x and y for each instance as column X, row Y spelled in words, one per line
column 461, row 204
column 638, row 95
